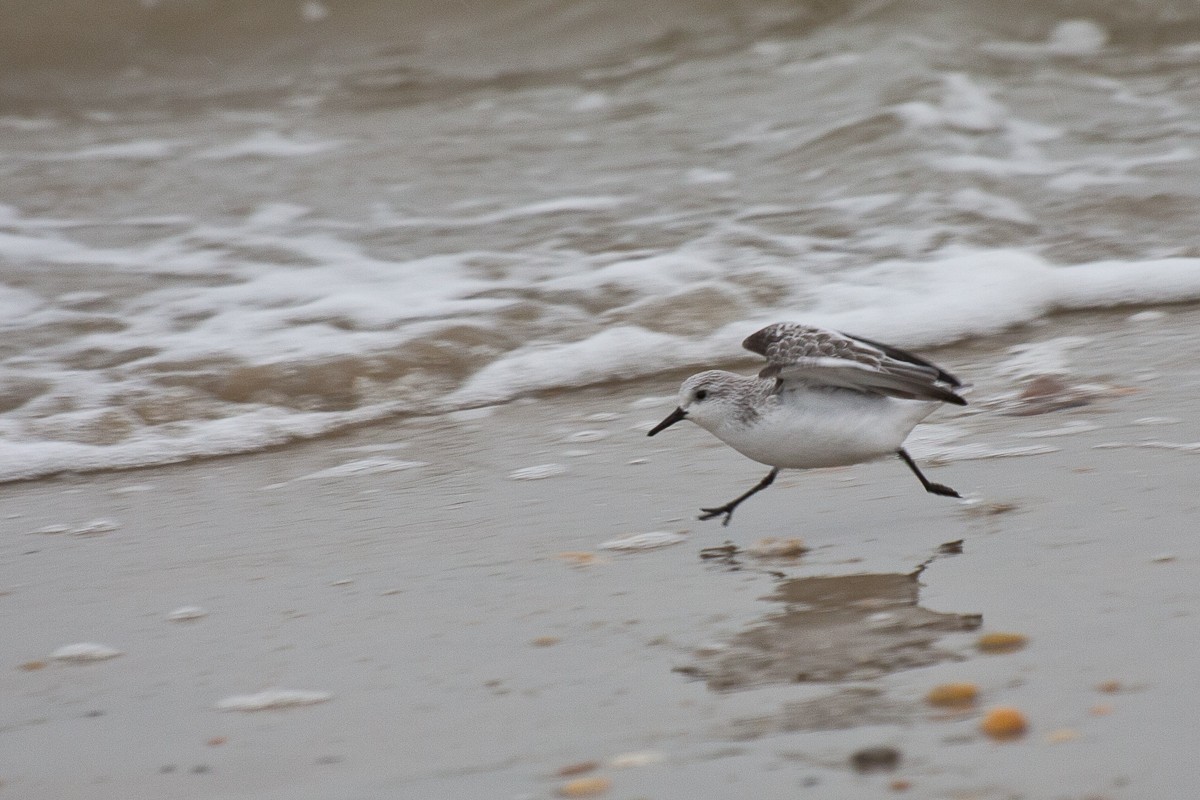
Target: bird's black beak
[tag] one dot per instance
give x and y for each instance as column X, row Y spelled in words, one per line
column 671, row 419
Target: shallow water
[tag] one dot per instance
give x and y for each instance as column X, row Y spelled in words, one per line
column 227, row 228
column 458, row 631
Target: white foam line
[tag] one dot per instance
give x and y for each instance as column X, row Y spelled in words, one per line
column 257, row 430
column 913, row 304
column 556, row 206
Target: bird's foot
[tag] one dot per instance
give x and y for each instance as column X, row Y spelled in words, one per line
column 942, row 489
column 727, row 510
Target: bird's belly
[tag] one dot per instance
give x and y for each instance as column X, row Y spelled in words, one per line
column 830, row 434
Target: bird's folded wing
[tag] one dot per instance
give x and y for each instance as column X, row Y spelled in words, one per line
column 903, row 382
column 819, row 357
column 903, row 355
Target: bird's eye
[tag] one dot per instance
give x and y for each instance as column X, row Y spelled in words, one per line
column 703, row 393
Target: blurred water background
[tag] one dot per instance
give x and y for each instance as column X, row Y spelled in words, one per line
column 228, row 224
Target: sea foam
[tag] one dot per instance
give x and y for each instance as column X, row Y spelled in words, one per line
column 238, row 355
column 915, row 304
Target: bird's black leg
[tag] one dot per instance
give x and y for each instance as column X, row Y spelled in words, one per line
column 728, row 508
column 930, row 486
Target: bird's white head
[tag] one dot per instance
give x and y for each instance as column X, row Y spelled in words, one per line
column 708, row 399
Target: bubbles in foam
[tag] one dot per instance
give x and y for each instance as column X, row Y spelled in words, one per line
column 1077, row 37
column 270, row 144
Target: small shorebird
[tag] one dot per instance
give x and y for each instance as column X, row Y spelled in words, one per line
column 825, row 399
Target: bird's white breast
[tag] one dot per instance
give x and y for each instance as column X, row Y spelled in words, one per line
column 803, row 429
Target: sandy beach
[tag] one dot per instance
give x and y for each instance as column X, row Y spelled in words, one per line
column 475, row 639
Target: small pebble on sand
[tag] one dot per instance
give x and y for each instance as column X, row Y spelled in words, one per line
column 272, row 699
column 587, row 436
column 84, row 652
column 640, row 758
column 770, row 547
column 537, row 472
column 580, row 559
column 96, row 527
column 577, row 769
column 644, row 541
column 953, row 695
column 187, row 614
column 585, row 787
column 1001, row 642
column 875, row 759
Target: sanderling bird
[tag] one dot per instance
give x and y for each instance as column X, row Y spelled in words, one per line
column 825, row 399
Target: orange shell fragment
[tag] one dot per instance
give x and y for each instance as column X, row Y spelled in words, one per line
column 953, row 695
column 1004, row 722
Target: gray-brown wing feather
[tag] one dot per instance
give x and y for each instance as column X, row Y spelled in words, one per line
column 827, row 358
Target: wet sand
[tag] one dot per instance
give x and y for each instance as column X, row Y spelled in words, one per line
column 476, row 639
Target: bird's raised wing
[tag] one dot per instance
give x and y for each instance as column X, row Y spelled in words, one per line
column 820, row 357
